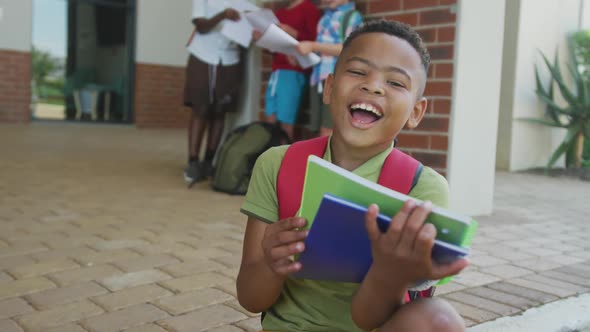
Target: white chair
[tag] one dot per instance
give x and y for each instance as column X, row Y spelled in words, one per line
column 86, row 101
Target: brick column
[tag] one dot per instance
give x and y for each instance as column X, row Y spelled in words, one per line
column 435, row 21
column 15, row 86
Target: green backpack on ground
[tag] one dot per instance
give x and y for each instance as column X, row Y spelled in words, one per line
column 239, row 152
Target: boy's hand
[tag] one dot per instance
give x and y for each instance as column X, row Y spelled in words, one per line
column 281, row 241
column 231, row 14
column 305, row 47
column 292, row 61
column 405, row 249
column 256, row 35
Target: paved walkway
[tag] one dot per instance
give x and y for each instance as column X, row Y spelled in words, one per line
column 98, row 233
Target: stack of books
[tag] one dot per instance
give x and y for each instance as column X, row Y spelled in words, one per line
column 335, row 203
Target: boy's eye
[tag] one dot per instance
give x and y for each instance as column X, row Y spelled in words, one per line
column 395, row 83
column 356, row 72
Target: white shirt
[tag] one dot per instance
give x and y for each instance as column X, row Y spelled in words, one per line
column 212, row 47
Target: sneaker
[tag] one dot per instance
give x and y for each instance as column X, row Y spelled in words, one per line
column 207, row 168
column 192, row 172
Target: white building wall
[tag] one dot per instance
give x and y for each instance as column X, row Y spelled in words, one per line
column 16, row 25
column 540, row 26
column 163, row 28
column 585, row 15
column 476, row 96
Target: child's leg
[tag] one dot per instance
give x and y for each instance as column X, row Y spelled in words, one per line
column 196, row 130
column 216, row 125
column 270, row 118
column 428, row 315
column 216, row 122
column 270, row 98
column 196, row 96
column 226, row 82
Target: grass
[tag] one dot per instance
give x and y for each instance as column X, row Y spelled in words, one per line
column 49, row 91
column 52, row 101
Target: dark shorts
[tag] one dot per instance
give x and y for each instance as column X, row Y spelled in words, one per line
column 208, row 85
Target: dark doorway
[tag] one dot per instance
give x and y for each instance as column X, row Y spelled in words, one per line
column 100, row 60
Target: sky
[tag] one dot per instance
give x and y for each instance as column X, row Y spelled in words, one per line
column 49, row 26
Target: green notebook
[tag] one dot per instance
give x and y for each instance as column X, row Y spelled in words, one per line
column 324, row 177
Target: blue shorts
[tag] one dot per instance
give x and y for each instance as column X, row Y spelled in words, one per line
column 283, row 94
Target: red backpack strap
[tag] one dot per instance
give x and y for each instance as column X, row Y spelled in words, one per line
column 398, row 172
column 292, row 173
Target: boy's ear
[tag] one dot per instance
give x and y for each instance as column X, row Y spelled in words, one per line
column 417, row 113
column 327, row 94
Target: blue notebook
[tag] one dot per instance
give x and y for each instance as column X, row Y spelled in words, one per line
column 338, row 248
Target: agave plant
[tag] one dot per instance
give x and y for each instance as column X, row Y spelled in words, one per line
column 574, row 116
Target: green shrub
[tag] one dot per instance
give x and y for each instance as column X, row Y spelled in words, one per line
column 574, row 116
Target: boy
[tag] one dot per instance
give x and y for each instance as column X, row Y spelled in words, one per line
column 288, row 80
column 213, row 77
column 339, row 20
column 375, row 91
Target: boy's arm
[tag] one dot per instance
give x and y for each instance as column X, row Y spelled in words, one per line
column 257, row 285
column 306, row 47
column 401, row 256
column 266, row 261
column 371, row 306
column 204, row 25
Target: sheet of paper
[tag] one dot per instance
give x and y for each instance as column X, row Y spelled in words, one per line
column 239, row 32
column 275, row 39
column 243, row 5
column 261, row 19
column 306, row 61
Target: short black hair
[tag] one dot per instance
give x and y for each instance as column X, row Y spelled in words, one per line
column 396, row 29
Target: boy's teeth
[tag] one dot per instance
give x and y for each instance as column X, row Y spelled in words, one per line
column 367, row 107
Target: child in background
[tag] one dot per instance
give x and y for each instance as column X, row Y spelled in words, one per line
column 213, row 77
column 339, row 20
column 375, row 91
column 288, row 80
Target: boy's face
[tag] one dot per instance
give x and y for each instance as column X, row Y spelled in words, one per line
column 375, row 91
column 333, row 3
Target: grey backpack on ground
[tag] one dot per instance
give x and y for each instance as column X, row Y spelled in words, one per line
column 239, row 152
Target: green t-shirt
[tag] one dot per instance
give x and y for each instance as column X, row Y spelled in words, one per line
column 309, row 305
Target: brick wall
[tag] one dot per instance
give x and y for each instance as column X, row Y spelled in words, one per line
column 435, row 21
column 159, row 96
column 15, row 86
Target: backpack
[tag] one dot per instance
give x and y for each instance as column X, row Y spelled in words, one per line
column 399, row 172
column 345, row 23
column 238, row 154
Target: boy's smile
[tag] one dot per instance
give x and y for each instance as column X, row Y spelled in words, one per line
column 364, row 114
column 375, row 91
